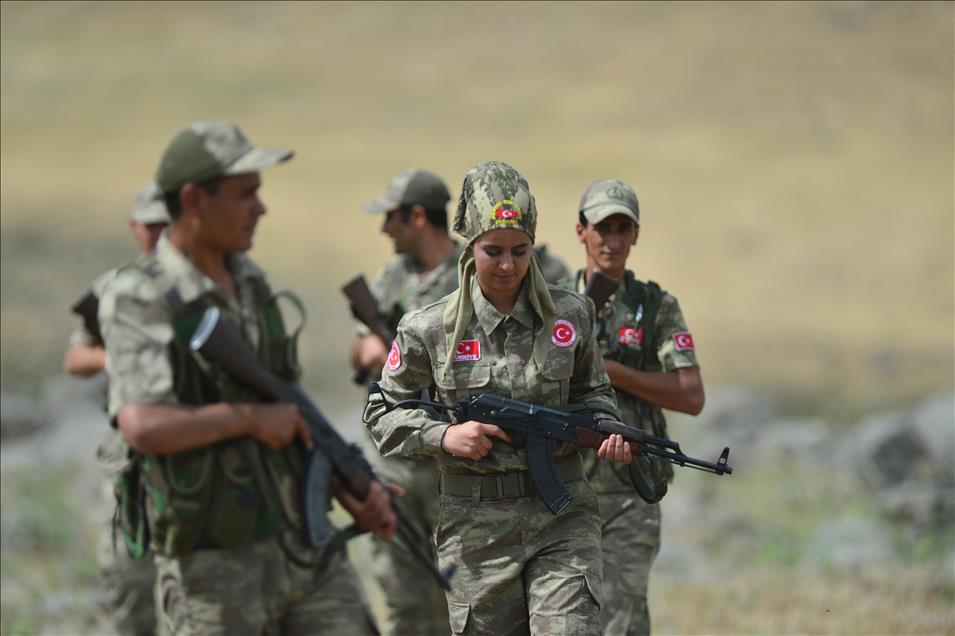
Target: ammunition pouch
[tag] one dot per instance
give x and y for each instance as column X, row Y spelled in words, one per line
column 130, row 514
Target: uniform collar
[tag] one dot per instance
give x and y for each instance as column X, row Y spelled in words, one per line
column 490, row 318
column 192, row 283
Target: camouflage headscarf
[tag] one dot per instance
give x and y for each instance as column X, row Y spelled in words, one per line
column 495, row 197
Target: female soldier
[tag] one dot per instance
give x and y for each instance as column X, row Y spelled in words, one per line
column 520, row 569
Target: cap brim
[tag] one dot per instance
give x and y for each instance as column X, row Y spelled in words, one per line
column 258, row 159
column 380, row 205
column 153, row 213
column 598, row 213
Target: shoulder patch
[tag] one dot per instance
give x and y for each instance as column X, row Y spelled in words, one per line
column 683, row 341
column 565, row 333
column 394, row 357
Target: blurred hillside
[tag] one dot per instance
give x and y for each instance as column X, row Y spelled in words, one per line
column 794, row 161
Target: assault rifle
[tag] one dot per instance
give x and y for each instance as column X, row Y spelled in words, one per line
column 535, row 426
column 87, row 308
column 365, row 308
column 221, row 344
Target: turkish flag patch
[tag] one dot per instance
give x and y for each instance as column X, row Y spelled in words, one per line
column 684, row 341
column 629, row 335
column 394, row 357
column 565, row 334
column 468, row 351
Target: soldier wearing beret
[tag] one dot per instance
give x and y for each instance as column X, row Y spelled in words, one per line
column 504, row 330
column 651, row 360
column 221, row 470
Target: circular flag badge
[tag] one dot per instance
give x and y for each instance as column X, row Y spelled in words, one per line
column 394, row 357
column 565, row 334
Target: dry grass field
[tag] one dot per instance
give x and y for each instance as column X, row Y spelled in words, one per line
column 794, row 164
column 794, row 161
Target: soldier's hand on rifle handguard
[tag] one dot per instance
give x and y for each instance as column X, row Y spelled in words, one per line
column 375, row 513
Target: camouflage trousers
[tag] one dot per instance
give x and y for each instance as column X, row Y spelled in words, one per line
column 520, row 569
column 415, row 603
column 258, row 590
column 129, row 584
column 630, row 541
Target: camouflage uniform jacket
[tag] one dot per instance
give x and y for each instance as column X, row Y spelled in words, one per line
column 495, row 356
column 147, row 364
column 138, row 328
column 621, row 339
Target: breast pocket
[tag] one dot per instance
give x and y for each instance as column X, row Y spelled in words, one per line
column 557, row 371
column 465, row 380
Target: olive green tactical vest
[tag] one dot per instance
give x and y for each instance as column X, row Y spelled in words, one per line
column 642, row 300
column 237, row 491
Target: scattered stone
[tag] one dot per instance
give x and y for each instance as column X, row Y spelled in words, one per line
column 20, row 415
column 850, row 544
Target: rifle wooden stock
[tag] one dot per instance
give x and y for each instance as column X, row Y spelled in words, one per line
column 365, row 308
column 600, row 287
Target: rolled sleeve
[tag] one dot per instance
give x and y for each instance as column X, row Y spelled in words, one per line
column 137, row 334
column 670, row 325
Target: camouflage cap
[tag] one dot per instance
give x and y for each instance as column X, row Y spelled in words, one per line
column 494, row 196
column 411, row 187
column 607, row 197
column 149, row 207
column 207, row 149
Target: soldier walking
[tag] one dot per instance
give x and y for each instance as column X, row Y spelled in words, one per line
column 650, row 358
column 520, row 568
column 220, row 468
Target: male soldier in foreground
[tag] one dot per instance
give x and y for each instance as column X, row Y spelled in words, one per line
column 129, row 582
column 221, row 470
column 650, row 358
column 423, row 270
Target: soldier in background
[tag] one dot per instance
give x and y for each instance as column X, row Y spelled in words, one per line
column 222, row 469
column 651, row 360
column 129, row 582
column 423, row 270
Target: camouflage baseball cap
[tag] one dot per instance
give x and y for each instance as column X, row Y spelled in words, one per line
column 607, row 197
column 207, row 149
column 411, row 187
column 494, row 196
column 149, row 207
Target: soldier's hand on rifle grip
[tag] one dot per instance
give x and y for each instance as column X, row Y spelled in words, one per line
column 277, row 424
column 615, row 449
column 471, row 440
column 374, row 513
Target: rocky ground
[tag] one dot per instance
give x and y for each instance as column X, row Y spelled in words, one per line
column 849, row 507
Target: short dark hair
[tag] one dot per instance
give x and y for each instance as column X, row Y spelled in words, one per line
column 582, row 219
column 438, row 217
column 174, row 205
